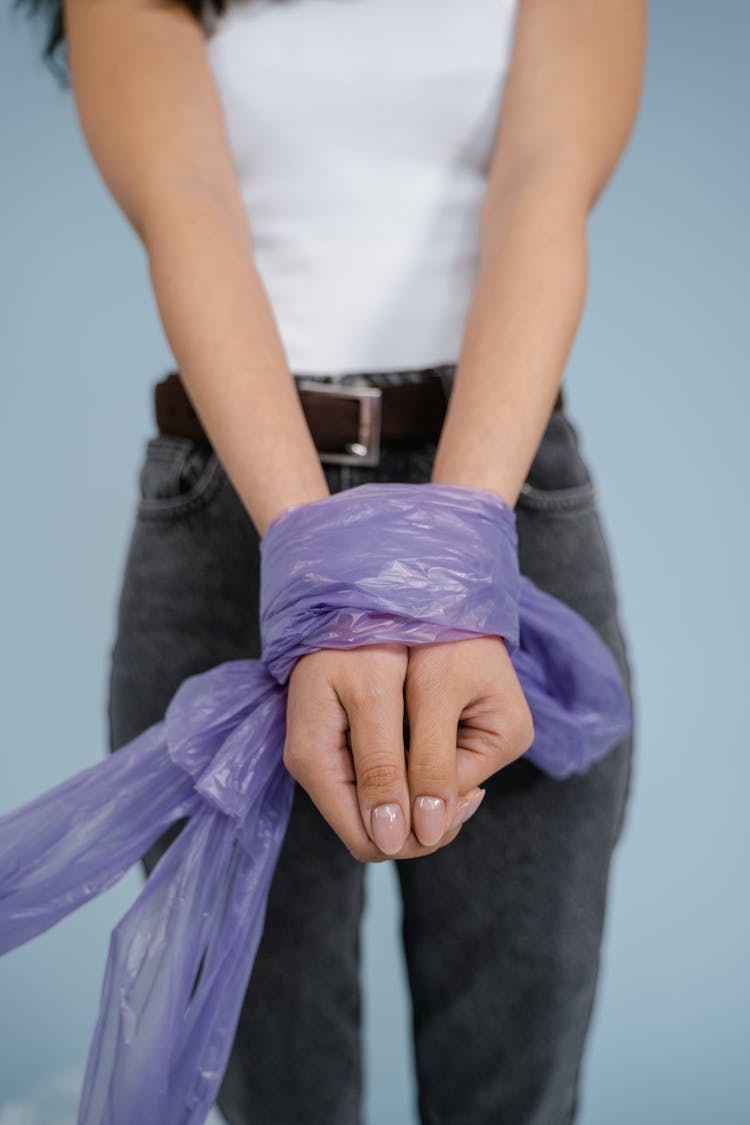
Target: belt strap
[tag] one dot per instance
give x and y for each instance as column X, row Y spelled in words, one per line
column 405, row 412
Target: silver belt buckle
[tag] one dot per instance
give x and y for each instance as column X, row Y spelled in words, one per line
column 366, row 449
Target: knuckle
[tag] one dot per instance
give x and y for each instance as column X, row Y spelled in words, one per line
column 430, row 681
column 369, row 692
column 429, row 764
column 378, row 775
column 432, row 754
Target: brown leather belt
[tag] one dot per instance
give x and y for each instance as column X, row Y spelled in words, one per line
column 348, row 422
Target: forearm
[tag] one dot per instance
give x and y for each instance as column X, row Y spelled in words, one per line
column 218, row 319
column 520, row 326
column 153, row 119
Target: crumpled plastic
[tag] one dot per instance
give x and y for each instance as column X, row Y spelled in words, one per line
column 379, row 562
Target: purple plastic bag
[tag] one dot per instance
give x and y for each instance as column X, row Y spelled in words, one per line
column 412, row 563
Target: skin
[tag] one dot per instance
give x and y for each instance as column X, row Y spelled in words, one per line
column 152, row 118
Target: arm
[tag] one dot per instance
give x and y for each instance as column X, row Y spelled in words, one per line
column 569, row 102
column 153, row 121
column 570, row 99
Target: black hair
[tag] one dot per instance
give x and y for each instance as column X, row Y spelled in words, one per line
column 54, row 48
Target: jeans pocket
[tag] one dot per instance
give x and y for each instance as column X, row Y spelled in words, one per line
column 560, row 479
column 573, row 498
column 178, row 476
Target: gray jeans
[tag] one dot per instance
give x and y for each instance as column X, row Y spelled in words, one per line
column 501, row 929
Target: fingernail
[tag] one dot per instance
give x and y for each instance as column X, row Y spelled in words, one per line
column 388, row 828
column 468, row 810
column 429, row 819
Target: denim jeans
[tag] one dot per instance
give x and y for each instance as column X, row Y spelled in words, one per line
column 501, row 929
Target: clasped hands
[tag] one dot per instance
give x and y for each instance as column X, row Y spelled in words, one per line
column 345, row 744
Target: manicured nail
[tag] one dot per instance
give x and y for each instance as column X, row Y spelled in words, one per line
column 429, row 819
column 388, row 828
column 468, row 810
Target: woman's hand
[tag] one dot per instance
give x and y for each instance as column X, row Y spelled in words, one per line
column 345, row 739
column 468, row 715
column 345, row 746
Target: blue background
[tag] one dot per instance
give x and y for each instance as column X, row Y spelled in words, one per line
column 658, row 385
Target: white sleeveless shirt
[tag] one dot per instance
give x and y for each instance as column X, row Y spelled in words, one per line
column 361, row 132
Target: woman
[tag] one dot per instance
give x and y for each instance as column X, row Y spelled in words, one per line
column 388, row 201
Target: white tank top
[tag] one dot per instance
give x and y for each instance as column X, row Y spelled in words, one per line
column 361, row 132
